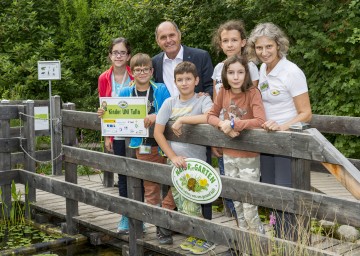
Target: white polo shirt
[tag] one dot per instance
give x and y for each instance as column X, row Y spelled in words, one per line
column 279, row 87
column 168, row 71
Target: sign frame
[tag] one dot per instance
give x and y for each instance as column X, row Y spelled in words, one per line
column 49, row 70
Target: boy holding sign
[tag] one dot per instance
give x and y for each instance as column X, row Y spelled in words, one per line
column 187, row 108
column 147, row 148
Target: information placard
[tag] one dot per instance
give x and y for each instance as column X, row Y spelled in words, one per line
column 124, row 116
column 41, row 118
column 49, row 70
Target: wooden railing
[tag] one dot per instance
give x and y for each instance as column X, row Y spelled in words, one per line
column 303, row 147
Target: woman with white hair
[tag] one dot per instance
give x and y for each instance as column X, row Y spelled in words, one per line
column 286, row 100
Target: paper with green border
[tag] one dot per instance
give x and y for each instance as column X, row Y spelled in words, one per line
column 124, row 116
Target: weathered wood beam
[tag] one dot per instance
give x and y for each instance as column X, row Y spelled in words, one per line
column 282, row 198
column 344, row 171
column 9, row 145
column 336, row 124
column 198, row 227
column 80, row 119
column 8, row 176
column 324, row 123
column 9, row 112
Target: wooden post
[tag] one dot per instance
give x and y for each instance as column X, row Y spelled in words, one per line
column 72, row 206
column 29, row 135
column 5, row 162
column 135, row 226
column 300, row 179
column 56, row 107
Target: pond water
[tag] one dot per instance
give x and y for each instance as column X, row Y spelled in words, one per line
column 22, row 235
column 85, row 250
column 26, row 235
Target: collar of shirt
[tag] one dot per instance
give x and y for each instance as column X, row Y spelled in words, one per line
column 168, row 72
column 278, row 67
column 179, row 56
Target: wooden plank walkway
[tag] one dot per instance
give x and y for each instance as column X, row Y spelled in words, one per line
column 106, row 222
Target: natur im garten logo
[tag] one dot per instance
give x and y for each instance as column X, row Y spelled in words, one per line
column 199, row 182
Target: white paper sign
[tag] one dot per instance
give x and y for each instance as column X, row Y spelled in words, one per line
column 41, row 118
column 124, row 116
column 49, row 70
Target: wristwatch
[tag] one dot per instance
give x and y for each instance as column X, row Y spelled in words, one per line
column 232, row 123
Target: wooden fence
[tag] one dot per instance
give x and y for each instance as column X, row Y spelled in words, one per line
column 303, row 147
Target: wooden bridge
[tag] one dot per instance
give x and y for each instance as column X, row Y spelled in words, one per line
column 97, row 205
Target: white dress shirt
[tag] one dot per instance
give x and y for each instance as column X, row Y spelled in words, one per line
column 168, row 72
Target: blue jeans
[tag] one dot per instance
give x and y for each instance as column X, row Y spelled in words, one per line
column 228, row 202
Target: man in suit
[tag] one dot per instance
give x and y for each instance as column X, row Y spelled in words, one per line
column 168, row 37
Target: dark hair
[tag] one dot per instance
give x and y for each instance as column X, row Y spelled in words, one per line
column 185, row 67
column 120, row 40
column 170, row 21
column 243, row 61
column 229, row 25
column 140, row 59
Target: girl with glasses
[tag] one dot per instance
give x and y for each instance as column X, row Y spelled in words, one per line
column 109, row 85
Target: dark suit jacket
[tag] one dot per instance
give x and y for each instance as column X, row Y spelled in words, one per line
column 202, row 61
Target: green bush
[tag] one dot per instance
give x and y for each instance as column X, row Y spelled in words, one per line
column 324, row 38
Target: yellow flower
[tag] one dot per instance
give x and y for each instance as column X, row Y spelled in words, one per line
column 203, row 182
column 188, row 176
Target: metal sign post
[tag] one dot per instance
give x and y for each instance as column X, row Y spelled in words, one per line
column 50, row 70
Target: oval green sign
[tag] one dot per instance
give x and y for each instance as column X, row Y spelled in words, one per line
column 199, row 182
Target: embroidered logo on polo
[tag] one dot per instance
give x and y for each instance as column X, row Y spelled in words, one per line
column 274, row 92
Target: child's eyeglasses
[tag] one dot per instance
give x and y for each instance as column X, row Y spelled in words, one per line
column 138, row 71
column 121, row 54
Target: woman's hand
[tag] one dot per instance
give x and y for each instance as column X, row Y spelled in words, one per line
column 176, row 127
column 149, row 120
column 179, row 161
column 100, row 112
column 271, row 125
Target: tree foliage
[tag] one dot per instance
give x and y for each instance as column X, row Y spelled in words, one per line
column 324, row 38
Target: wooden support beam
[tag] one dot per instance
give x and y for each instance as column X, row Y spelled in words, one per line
column 28, row 132
column 134, row 192
column 198, row 227
column 281, row 198
column 344, row 171
column 72, row 206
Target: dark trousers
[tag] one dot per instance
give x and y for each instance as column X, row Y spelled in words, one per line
column 277, row 170
column 120, row 150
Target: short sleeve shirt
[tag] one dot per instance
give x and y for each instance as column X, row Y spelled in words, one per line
column 174, row 108
column 279, row 87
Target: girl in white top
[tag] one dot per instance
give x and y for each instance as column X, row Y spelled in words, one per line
column 230, row 38
column 286, row 100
